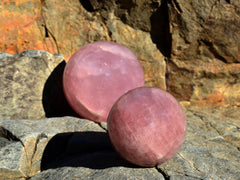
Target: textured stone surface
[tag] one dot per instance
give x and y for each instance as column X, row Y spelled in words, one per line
column 19, row 27
column 23, row 142
column 198, row 40
column 83, row 27
column 119, row 173
column 63, row 27
column 150, row 57
column 205, row 29
column 204, row 66
column 208, row 151
column 23, row 77
column 74, row 148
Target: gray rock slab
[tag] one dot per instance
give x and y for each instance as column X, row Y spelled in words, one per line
column 10, row 154
column 116, row 173
column 4, row 55
column 24, row 76
column 23, row 142
column 74, row 148
column 208, row 152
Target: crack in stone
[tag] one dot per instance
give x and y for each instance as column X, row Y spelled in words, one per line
column 48, row 33
column 87, row 5
column 50, row 70
column 176, row 6
column 84, row 127
column 54, row 39
column 102, row 126
column 29, row 161
column 165, row 175
column 107, row 31
column 209, row 44
column 210, row 12
column 194, row 166
column 6, row 134
column 201, row 117
column 213, row 50
column 39, row 137
column 208, row 123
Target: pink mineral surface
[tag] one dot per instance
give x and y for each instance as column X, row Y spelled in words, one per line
column 147, row 126
column 97, row 75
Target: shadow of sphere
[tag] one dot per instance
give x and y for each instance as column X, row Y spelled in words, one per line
column 81, row 149
column 53, row 98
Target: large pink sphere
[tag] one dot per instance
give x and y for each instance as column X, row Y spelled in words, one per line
column 147, row 126
column 97, row 75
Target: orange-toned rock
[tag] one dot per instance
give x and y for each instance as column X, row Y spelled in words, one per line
column 64, row 27
column 175, row 42
column 21, row 28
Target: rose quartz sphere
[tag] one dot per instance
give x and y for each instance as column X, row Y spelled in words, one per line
column 147, row 126
column 97, row 75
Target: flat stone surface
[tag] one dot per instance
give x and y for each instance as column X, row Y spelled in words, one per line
column 208, row 152
column 117, row 173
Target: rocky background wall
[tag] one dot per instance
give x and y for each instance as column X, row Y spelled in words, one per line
column 189, row 48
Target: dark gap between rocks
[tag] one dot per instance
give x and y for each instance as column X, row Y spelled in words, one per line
column 87, row 5
column 46, row 31
column 160, row 29
column 166, row 177
column 228, row 1
column 6, row 134
column 176, row 5
column 81, row 149
column 213, row 50
column 53, row 98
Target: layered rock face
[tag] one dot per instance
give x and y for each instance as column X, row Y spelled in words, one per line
column 189, row 48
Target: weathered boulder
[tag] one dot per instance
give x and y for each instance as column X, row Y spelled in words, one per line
column 25, row 90
column 205, row 55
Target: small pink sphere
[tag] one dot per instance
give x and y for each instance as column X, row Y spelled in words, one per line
column 147, row 126
column 97, row 75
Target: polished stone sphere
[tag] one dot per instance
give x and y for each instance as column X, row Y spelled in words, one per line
column 97, row 75
column 147, row 126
